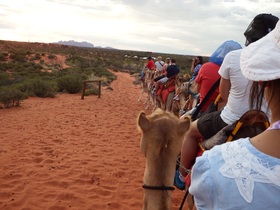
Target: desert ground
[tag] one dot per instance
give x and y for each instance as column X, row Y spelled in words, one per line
column 66, row 153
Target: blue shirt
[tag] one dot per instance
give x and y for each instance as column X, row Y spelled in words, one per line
column 195, row 72
column 235, row 176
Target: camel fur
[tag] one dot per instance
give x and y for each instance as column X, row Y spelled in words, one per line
column 146, row 86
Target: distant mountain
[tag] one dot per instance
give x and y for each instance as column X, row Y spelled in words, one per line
column 76, row 44
column 81, row 44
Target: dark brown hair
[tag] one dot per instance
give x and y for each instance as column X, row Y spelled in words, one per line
column 200, row 59
column 257, row 93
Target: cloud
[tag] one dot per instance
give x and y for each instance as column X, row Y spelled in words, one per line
column 177, row 26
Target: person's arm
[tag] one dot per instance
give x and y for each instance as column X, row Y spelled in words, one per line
column 192, row 66
column 224, row 89
column 198, row 80
column 164, row 69
column 202, row 186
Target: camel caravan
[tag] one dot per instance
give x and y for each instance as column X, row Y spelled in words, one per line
column 164, row 97
column 175, row 112
column 161, row 142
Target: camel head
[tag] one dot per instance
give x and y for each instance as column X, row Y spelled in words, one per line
column 193, row 87
column 162, row 136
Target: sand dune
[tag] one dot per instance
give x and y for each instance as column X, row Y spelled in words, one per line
column 67, row 153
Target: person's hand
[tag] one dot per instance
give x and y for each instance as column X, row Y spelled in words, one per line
column 193, row 61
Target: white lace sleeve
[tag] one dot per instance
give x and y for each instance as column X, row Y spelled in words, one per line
column 247, row 169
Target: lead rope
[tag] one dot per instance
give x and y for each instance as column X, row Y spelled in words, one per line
column 187, row 191
column 184, row 199
column 183, row 167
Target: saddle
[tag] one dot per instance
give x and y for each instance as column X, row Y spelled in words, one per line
column 167, row 88
column 250, row 124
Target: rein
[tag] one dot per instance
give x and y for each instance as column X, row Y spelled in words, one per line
column 149, row 187
column 189, row 89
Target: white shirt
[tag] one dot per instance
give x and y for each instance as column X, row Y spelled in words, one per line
column 235, row 176
column 159, row 65
column 239, row 97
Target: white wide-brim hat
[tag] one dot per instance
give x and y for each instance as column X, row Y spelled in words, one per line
column 260, row 61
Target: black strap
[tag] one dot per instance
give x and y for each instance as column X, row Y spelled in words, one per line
column 163, row 187
column 199, row 107
column 184, row 199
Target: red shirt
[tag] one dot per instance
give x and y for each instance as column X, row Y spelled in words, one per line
column 151, row 65
column 207, row 76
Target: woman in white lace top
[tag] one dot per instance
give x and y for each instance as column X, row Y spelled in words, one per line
column 245, row 174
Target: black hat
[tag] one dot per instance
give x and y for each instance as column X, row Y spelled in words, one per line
column 261, row 25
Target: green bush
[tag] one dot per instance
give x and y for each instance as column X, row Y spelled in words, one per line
column 25, row 87
column 93, row 91
column 104, row 73
column 37, row 56
column 52, row 56
column 4, row 79
column 2, row 57
column 42, row 88
column 11, row 96
column 20, row 57
column 71, row 83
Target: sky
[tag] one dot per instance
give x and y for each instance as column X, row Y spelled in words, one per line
column 187, row 27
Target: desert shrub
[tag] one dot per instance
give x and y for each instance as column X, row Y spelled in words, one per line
column 70, row 83
column 91, row 88
column 4, row 79
column 11, row 96
column 105, row 73
column 25, row 87
column 2, row 57
column 4, row 67
column 37, row 56
column 42, row 88
column 5, row 54
column 92, row 91
column 20, row 57
column 22, row 68
column 52, row 56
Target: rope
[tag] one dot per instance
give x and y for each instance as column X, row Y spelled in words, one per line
column 183, row 167
column 184, row 199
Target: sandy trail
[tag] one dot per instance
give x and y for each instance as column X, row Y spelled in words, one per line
column 67, row 153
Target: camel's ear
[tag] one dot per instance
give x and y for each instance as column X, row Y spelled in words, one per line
column 184, row 125
column 143, row 122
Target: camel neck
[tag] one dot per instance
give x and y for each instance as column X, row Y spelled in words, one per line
column 275, row 126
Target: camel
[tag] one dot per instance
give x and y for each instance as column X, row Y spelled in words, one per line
column 162, row 136
column 183, row 94
column 188, row 97
column 146, row 86
column 164, row 96
column 193, row 99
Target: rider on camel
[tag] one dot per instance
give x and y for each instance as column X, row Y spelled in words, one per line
column 171, row 71
column 150, row 65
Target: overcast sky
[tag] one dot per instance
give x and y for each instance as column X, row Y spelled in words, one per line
column 188, row 27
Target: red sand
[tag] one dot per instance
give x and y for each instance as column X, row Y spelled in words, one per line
column 67, row 153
